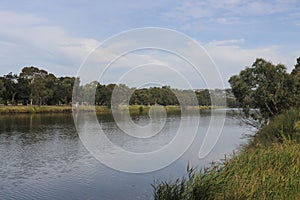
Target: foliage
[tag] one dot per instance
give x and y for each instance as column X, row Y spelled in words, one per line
column 10, row 85
column 264, row 172
column 283, row 126
column 266, row 87
column 268, row 167
column 34, row 86
column 2, row 90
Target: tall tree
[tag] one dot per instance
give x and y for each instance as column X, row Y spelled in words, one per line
column 27, row 77
column 38, row 83
column 296, row 78
column 64, row 90
column 264, row 86
column 296, row 70
column 11, row 88
column 2, row 89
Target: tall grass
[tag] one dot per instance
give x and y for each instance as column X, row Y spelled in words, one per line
column 283, row 126
column 262, row 170
column 257, row 173
column 133, row 109
column 35, row 109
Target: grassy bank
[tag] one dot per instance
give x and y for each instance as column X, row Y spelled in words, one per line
column 264, row 173
column 134, row 109
column 258, row 171
column 35, row 109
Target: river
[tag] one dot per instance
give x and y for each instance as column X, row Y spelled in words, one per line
column 42, row 157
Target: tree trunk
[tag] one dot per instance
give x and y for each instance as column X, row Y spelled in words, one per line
column 13, row 99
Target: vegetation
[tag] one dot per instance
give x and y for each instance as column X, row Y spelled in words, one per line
column 256, row 173
column 34, row 86
column 266, row 168
column 268, row 88
column 283, row 127
column 133, row 109
column 35, row 109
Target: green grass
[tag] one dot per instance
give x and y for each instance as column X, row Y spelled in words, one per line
column 35, row 109
column 256, row 173
column 267, row 170
column 284, row 126
column 134, row 109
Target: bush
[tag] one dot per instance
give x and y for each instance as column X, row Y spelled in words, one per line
column 282, row 127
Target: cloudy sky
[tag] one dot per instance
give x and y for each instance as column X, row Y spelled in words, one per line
column 58, row 35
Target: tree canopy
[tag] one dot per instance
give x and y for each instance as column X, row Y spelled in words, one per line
column 34, row 86
column 266, row 87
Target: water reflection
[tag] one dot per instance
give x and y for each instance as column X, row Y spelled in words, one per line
column 43, row 158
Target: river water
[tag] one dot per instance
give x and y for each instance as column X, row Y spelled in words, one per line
column 42, row 157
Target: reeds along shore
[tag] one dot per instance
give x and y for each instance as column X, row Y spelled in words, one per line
column 266, row 168
column 134, row 109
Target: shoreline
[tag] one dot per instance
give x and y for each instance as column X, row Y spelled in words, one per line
column 265, row 168
column 134, row 109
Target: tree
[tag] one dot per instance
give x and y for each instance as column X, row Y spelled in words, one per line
column 24, row 90
column 39, row 90
column 27, row 77
column 296, row 70
column 103, row 94
column 296, row 78
column 37, row 85
column 63, row 90
column 203, row 97
column 10, row 83
column 263, row 86
column 2, row 89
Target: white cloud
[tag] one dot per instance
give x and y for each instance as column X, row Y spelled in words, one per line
column 227, row 42
column 228, row 11
column 232, row 58
column 28, row 39
column 33, row 40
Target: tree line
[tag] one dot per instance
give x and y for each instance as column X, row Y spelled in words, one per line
column 34, row 86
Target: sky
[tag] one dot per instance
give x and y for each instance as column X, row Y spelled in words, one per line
column 59, row 35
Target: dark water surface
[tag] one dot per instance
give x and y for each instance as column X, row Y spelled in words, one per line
column 42, row 157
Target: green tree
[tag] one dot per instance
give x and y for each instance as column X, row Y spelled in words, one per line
column 263, row 86
column 296, row 70
column 203, row 97
column 37, row 86
column 27, row 77
column 51, row 85
column 23, row 90
column 296, row 78
column 39, row 90
column 11, row 88
column 103, row 94
column 64, row 90
column 2, row 90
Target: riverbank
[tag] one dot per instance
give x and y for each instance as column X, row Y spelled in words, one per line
column 134, row 109
column 268, row 168
column 34, row 109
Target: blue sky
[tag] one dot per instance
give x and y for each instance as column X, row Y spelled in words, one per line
column 58, row 35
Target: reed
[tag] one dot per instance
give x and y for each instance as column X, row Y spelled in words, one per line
column 133, row 109
column 261, row 170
